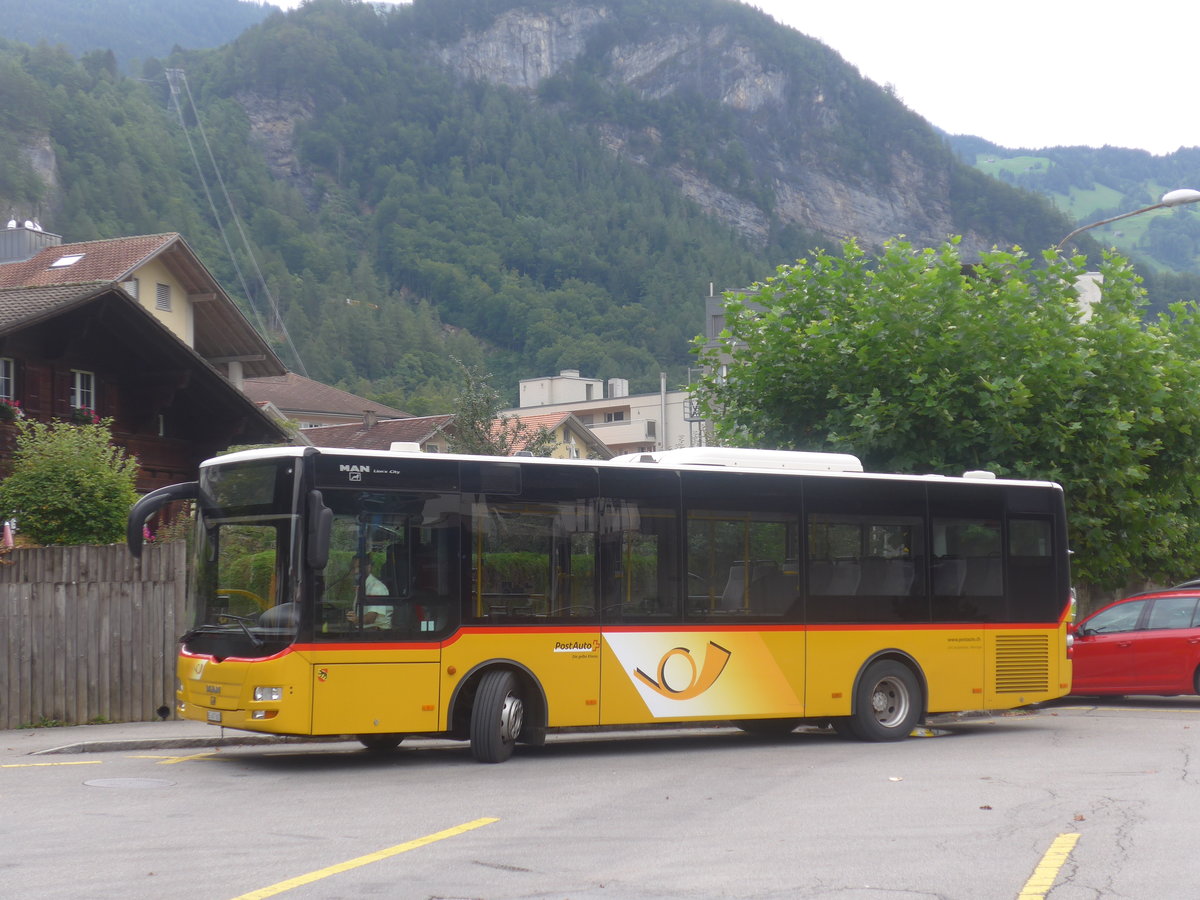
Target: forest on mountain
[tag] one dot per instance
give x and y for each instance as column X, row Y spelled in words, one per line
column 414, row 217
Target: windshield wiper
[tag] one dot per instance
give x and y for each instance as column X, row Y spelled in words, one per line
column 243, row 621
column 215, row 628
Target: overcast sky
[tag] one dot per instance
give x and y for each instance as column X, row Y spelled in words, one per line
column 1022, row 73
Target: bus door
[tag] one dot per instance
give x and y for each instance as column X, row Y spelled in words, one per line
column 386, row 600
column 532, row 599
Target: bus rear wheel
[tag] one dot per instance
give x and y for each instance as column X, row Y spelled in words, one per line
column 496, row 717
column 887, row 703
column 380, row 743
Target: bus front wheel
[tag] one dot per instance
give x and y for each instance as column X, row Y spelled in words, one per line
column 887, row 703
column 496, row 717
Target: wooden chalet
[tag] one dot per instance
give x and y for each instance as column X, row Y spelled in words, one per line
column 135, row 329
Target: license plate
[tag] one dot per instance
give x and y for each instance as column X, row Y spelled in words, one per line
column 214, row 715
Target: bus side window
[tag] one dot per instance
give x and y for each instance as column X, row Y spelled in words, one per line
column 741, row 563
column 1032, row 571
column 866, row 565
column 533, row 561
column 637, row 557
column 968, row 568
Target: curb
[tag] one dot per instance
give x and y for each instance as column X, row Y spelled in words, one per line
column 180, row 743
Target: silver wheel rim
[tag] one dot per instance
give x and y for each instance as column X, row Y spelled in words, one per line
column 512, row 717
column 889, row 702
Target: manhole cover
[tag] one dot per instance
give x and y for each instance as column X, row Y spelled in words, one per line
column 137, row 783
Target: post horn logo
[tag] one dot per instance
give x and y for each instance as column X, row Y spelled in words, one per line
column 702, row 677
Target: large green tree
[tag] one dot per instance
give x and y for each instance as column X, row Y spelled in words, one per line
column 69, row 484
column 920, row 364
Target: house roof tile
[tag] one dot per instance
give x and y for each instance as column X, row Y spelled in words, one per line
column 532, row 424
column 221, row 331
column 549, row 421
column 21, row 307
column 295, row 393
column 108, row 261
column 380, row 436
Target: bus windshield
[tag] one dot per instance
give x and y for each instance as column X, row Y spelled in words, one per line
column 245, row 567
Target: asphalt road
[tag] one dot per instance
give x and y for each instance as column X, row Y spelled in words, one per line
column 1079, row 800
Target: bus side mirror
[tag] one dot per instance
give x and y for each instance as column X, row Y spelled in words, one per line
column 149, row 505
column 320, row 526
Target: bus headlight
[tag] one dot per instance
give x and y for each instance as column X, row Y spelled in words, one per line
column 262, row 694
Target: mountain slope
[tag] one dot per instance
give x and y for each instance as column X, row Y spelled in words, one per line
column 762, row 126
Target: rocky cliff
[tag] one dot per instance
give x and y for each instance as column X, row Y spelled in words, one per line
column 906, row 195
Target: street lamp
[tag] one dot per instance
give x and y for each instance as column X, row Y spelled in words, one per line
column 1169, row 199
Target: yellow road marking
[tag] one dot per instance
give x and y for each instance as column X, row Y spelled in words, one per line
column 337, row 869
column 171, row 760
column 80, row 762
column 1043, row 876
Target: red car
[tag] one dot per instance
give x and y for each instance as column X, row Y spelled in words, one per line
column 1145, row 644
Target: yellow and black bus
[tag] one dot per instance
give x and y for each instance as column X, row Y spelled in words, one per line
column 385, row 594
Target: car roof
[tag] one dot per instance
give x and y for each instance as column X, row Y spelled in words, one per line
column 1161, row 592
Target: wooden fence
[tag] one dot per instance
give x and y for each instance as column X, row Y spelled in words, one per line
column 89, row 633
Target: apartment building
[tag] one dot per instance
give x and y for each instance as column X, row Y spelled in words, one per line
column 627, row 423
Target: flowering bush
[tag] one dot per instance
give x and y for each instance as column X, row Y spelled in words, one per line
column 10, row 410
column 83, row 415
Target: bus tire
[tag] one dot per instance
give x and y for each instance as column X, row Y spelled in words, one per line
column 497, row 716
column 887, row 702
column 767, row 727
column 380, row 743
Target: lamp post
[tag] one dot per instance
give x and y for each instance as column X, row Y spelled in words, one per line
column 1169, row 199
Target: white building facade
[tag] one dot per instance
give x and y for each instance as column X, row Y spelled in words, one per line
column 627, row 423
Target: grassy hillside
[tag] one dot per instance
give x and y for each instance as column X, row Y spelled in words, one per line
column 1090, row 184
